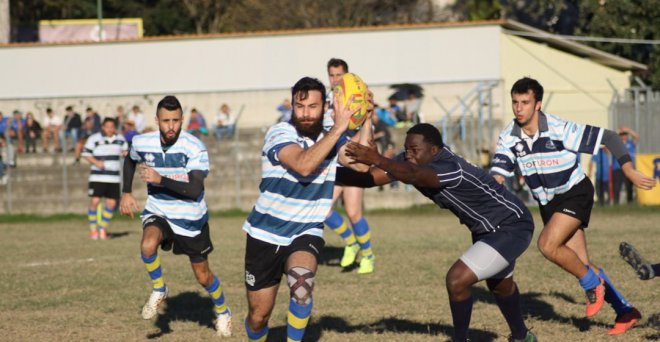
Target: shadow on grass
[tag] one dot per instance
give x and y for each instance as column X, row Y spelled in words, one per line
column 536, row 308
column 331, row 256
column 390, row 325
column 113, row 235
column 186, row 306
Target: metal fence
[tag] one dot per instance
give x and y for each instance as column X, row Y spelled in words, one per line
column 638, row 108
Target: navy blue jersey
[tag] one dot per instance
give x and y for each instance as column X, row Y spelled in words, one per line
column 479, row 202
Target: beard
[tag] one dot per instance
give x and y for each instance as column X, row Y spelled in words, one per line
column 169, row 141
column 308, row 129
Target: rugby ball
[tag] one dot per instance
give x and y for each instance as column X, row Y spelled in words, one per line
column 352, row 84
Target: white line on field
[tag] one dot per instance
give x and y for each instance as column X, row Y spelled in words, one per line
column 59, row 262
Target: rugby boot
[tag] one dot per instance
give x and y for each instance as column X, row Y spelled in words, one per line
column 156, row 299
column 625, row 321
column 530, row 337
column 595, row 299
column 634, row 259
column 93, row 234
column 103, row 234
column 223, row 324
column 350, row 253
column 367, row 265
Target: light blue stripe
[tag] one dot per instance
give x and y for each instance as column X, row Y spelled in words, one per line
column 306, row 218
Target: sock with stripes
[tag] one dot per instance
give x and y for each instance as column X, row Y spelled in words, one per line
column 91, row 218
column 339, row 226
column 361, row 228
column 256, row 336
column 297, row 319
column 461, row 312
column 106, row 216
column 218, row 296
column 614, row 297
column 152, row 263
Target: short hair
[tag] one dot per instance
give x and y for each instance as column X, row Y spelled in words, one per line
column 69, row 108
column 335, row 62
column 526, row 84
column 49, row 110
column 89, row 109
column 305, row 85
column 109, row 120
column 430, row 133
column 169, row 102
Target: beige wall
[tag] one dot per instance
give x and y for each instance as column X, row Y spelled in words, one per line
column 575, row 88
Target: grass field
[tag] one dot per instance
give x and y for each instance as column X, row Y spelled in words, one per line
column 57, row 285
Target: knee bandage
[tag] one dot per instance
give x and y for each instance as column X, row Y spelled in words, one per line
column 301, row 283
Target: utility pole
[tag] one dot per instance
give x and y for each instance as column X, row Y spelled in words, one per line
column 99, row 13
column 5, row 22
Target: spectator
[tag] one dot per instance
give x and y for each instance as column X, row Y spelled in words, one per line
column 395, row 109
column 602, row 160
column 285, row 111
column 225, row 123
column 382, row 135
column 3, row 176
column 4, row 126
column 51, row 127
column 413, row 104
column 197, row 124
column 138, row 118
column 91, row 125
column 72, row 126
column 629, row 138
column 15, row 130
column 120, row 119
column 31, row 132
column 385, row 116
column 129, row 131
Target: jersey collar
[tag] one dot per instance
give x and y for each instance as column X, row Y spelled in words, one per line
column 516, row 131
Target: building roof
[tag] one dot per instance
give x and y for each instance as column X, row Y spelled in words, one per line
column 509, row 26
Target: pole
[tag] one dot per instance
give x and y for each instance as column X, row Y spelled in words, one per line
column 99, row 14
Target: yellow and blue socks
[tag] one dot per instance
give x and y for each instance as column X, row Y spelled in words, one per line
column 339, row 226
column 218, row 296
column 613, row 296
column 361, row 229
column 92, row 219
column 152, row 263
column 297, row 319
column 461, row 312
column 106, row 216
column 256, row 336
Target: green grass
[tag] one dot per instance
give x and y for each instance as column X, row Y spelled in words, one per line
column 57, row 285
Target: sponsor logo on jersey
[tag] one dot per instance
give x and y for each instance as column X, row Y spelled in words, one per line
column 540, row 163
column 550, row 145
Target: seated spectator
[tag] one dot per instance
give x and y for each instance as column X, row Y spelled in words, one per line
column 3, row 176
column 31, row 132
column 395, row 110
column 71, row 128
column 6, row 149
column 51, row 128
column 285, row 110
column 197, row 124
column 385, row 116
column 138, row 118
column 225, row 123
column 89, row 127
column 15, row 130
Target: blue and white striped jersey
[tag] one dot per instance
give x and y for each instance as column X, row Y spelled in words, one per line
column 468, row 191
column 549, row 161
column 109, row 150
column 185, row 216
column 291, row 205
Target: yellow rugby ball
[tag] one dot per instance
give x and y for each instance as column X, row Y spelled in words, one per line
column 352, row 84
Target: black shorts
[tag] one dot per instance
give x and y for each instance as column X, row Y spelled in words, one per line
column 107, row 190
column 196, row 248
column 265, row 262
column 576, row 202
